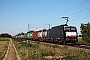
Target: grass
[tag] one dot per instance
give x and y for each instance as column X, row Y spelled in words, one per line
column 4, row 39
column 3, row 47
column 34, row 50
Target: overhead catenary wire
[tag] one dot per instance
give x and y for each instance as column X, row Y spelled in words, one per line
column 67, row 11
column 76, row 6
column 83, row 13
column 80, row 14
column 79, row 18
column 70, row 9
column 79, row 11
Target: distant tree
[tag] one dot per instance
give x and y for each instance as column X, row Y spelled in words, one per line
column 85, row 30
column 5, row 35
column 20, row 33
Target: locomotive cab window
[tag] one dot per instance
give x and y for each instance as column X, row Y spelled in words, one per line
column 70, row 29
column 73, row 29
column 67, row 29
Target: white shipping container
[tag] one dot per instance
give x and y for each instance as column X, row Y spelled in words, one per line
column 39, row 34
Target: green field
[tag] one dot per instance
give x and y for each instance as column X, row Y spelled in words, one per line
column 34, row 50
column 3, row 47
column 80, row 41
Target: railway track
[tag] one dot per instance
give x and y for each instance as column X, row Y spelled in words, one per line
column 85, row 47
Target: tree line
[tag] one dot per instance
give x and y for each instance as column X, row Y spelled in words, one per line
column 5, row 35
column 85, row 31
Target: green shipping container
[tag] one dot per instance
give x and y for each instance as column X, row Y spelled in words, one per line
column 30, row 34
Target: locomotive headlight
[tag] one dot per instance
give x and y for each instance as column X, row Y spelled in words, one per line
column 71, row 37
column 58, row 38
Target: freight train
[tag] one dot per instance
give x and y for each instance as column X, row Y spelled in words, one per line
column 61, row 34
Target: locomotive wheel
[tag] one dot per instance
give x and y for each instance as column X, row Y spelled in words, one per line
column 60, row 42
column 53, row 41
column 64, row 42
column 73, row 43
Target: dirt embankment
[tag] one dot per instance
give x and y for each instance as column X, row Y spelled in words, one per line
column 11, row 52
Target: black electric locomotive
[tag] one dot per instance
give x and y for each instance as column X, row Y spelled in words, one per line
column 62, row 34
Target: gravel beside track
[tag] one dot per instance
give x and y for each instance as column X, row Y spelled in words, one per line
column 77, row 47
column 84, row 47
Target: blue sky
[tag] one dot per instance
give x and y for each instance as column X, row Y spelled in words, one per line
column 15, row 15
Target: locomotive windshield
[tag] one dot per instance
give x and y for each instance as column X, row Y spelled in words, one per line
column 70, row 29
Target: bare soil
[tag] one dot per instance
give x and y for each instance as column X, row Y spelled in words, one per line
column 11, row 53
